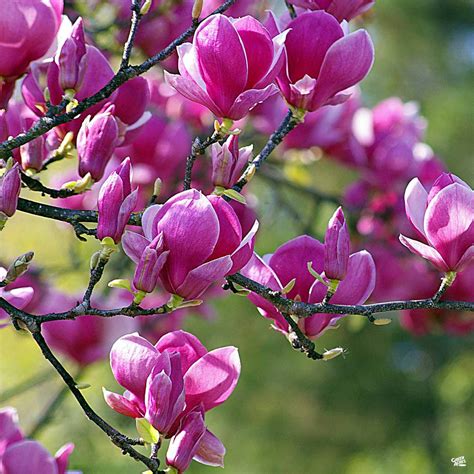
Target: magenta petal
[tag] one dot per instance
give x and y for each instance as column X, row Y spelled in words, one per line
column 230, row 233
column 192, row 91
column 121, row 405
column 134, row 245
column 157, row 401
column 347, row 62
column 466, row 259
column 212, row 379
column 148, row 221
column 359, row 282
column 189, row 347
column 211, row 451
column 191, row 229
column 278, row 60
column 449, row 223
column 132, row 358
column 260, row 272
column 425, row 251
column 201, row 278
column 317, row 31
column 28, row 457
column 222, row 60
column 258, row 48
column 244, row 252
column 249, row 99
column 19, row 297
column 290, row 261
column 416, row 200
column 62, row 457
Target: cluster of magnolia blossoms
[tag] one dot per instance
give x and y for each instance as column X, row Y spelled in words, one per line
column 19, row 455
column 171, row 385
column 309, row 271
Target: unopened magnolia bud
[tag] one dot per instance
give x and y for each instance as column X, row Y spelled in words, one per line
column 80, row 185
column 333, row 353
column 19, row 267
column 197, row 9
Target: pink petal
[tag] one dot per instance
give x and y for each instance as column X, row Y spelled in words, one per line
column 211, row 451
column 449, row 223
column 201, row 278
column 148, row 221
column 224, row 74
column 416, row 200
column 249, row 99
column 212, row 378
column 191, row 229
column 188, row 346
column 230, row 231
column 19, row 297
column 28, row 457
column 134, row 245
column 244, row 252
column 62, row 457
column 121, row 405
column 290, row 261
column 347, row 62
column 424, row 251
column 466, row 259
column 278, row 60
column 132, row 358
column 258, row 48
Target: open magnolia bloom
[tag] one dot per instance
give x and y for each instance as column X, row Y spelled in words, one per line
column 172, row 384
column 321, row 61
column 230, row 65
column 202, row 238
column 444, row 217
column 290, row 261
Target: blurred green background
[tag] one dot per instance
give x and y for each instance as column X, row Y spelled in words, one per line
column 394, row 404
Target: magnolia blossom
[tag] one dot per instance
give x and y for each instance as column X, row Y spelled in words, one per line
column 116, row 202
column 444, row 218
column 10, row 185
column 230, row 66
column 19, row 455
column 96, row 142
column 172, row 384
column 336, row 247
column 228, row 161
column 290, row 261
column 317, row 73
column 340, row 9
column 203, row 238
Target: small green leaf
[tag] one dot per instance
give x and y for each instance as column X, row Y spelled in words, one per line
column 316, row 274
column 235, row 195
column 288, row 287
column 189, row 304
column 82, row 386
column 149, row 434
column 120, row 283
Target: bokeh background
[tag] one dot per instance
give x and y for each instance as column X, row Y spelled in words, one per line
column 395, row 404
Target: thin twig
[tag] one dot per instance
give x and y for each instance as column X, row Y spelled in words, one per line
column 127, row 49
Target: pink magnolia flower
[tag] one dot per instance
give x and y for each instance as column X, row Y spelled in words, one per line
column 230, row 66
column 27, row 29
column 96, row 142
column 10, row 185
column 444, row 217
column 204, row 239
column 172, row 384
column 19, row 455
column 115, row 203
column 228, row 161
column 290, row 262
column 340, row 9
column 321, row 62
column 336, row 247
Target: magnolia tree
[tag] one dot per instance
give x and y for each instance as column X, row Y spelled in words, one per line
column 167, row 154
